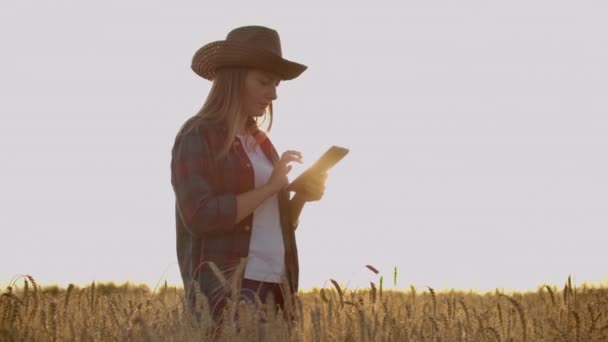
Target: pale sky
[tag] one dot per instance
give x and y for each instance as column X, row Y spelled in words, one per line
column 477, row 133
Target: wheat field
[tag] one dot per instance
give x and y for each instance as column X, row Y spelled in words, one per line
column 129, row 312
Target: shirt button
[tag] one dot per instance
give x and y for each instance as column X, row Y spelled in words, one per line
column 247, row 227
column 248, row 165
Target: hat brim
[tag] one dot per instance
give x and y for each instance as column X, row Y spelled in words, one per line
column 220, row 54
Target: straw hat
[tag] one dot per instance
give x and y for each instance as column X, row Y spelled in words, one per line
column 249, row 46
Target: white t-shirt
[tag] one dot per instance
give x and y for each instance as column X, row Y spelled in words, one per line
column 266, row 259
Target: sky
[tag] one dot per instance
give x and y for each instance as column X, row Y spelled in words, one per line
column 476, row 130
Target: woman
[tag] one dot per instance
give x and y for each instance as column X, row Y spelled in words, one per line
column 232, row 206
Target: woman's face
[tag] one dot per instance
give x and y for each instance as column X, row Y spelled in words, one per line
column 260, row 91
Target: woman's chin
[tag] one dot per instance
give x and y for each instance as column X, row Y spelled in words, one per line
column 258, row 113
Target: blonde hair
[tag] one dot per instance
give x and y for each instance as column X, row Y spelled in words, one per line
column 223, row 106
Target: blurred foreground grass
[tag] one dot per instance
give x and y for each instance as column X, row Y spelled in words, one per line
column 128, row 312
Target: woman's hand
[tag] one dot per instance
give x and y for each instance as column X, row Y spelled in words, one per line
column 278, row 179
column 313, row 189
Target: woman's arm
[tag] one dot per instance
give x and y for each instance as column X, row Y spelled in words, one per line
column 312, row 190
column 201, row 210
column 248, row 201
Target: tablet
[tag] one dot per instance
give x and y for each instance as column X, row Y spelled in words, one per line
column 330, row 158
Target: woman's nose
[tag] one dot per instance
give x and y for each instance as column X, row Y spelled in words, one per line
column 273, row 94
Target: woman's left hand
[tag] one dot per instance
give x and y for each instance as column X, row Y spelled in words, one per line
column 313, row 189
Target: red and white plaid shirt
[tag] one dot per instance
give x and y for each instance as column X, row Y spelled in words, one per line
column 205, row 207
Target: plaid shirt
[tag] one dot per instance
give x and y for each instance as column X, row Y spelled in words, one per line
column 205, row 206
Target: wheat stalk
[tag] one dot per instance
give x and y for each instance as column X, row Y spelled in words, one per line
column 372, row 293
column 520, row 312
column 434, row 299
column 551, row 294
column 339, row 292
column 373, row 269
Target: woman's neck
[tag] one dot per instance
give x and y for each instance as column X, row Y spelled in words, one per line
column 243, row 127
column 242, row 132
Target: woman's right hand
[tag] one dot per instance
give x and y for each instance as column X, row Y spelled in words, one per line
column 278, row 178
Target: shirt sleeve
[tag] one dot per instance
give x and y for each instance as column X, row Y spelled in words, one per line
column 294, row 220
column 296, row 224
column 201, row 209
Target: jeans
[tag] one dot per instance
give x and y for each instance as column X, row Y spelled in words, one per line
column 250, row 288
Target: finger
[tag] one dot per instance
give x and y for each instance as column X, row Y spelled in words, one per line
column 319, row 178
column 293, row 152
column 315, row 189
column 312, row 196
column 296, row 152
column 292, row 156
column 289, row 158
column 317, row 182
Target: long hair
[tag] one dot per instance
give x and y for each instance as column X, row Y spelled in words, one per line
column 223, row 106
